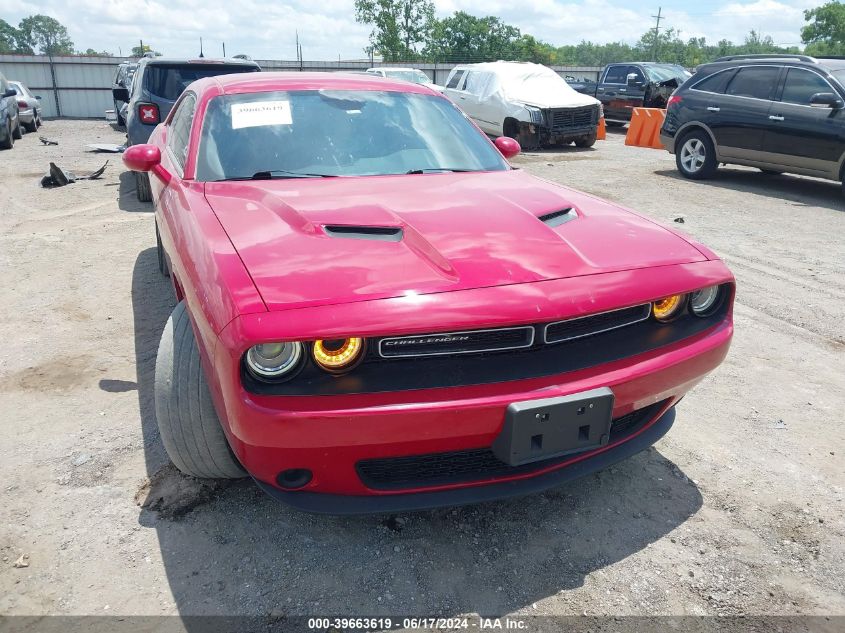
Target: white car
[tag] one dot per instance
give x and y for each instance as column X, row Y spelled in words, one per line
column 528, row 102
column 414, row 75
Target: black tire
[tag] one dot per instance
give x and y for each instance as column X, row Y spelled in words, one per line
column 695, row 156
column 142, row 187
column 614, row 123
column 38, row 121
column 17, row 132
column 586, row 141
column 120, row 121
column 189, row 426
column 32, row 126
column 162, row 258
column 9, row 141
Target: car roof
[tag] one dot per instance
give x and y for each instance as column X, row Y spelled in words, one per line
column 241, row 83
column 228, row 61
column 830, row 63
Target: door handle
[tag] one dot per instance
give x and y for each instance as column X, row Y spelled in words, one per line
column 600, row 90
column 773, row 117
column 713, row 109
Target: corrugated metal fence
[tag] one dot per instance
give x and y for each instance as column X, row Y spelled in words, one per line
column 81, row 86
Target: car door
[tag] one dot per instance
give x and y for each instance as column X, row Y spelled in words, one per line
column 455, row 78
column 612, row 92
column 740, row 117
column 634, row 94
column 171, row 196
column 486, row 112
column 801, row 136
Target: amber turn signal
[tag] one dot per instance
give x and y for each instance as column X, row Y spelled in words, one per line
column 668, row 308
column 338, row 355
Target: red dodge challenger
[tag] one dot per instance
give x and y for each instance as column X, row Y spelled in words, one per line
column 377, row 313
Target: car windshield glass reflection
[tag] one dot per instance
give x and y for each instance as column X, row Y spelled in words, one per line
column 338, row 133
column 414, row 76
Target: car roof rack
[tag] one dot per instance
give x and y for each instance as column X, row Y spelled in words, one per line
column 731, row 58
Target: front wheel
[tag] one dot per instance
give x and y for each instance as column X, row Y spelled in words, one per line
column 189, row 426
column 696, row 156
column 586, row 141
column 32, row 126
column 9, row 141
column 142, row 187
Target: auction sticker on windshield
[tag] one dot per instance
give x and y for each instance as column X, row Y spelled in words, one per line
column 261, row 113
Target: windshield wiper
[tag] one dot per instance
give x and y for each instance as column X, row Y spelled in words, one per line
column 278, row 173
column 434, row 170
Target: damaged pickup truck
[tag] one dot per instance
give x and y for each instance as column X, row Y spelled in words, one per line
column 623, row 87
column 528, row 102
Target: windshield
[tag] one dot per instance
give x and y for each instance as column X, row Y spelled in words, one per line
column 168, row 81
column 338, row 133
column 414, row 76
column 669, row 71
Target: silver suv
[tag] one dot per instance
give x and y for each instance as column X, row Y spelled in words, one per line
column 156, row 86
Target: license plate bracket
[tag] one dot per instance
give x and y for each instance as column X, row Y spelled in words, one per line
column 552, row 427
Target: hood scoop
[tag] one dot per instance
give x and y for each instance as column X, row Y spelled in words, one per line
column 376, row 233
column 556, row 218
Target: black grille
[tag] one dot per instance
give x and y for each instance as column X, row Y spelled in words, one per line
column 456, row 342
column 476, row 464
column 574, row 118
column 594, row 324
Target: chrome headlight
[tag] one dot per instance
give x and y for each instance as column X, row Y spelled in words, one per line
column 536, row 115
column 274, row 360
column 705, row 301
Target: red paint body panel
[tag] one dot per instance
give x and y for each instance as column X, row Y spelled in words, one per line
column 254, row 264
column 461, row 231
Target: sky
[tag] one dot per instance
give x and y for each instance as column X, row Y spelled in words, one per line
column 266, row 29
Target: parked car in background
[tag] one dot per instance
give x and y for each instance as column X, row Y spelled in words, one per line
column 122, row 82
column 623, row 87
column 157, row 84
column 413, row 75
column 29, row 107
column 527, row 102
column 377, row 313
column 779, row 113
column 10, row 121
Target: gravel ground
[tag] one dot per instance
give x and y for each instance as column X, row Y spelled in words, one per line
column 739, row 510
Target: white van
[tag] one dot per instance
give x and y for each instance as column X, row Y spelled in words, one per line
column 528, row 102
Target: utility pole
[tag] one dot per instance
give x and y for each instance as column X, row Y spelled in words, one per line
column 224, row 49
column 656, row 33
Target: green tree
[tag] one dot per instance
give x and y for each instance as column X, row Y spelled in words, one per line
column 465, row 37
column 825, row 33
column 11, row 40
column 46, row 34
column 92, row 52
column 138, row 51
column 399, row 26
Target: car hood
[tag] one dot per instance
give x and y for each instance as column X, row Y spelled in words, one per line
column 427, row 233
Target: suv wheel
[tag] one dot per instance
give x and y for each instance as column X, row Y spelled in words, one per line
column 696, row 156
column 9, row 141
column 142, row 187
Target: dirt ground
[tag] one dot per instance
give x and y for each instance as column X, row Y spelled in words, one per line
column 739, row 510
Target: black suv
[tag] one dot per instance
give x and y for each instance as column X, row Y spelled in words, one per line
column 779, row 113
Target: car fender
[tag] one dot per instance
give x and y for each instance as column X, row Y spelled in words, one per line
column 690, row 126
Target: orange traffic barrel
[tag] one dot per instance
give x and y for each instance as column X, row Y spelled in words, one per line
column 601, row 134
column 644, row 129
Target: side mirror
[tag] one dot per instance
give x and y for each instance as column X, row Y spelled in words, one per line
column 10, row 93
column 633, row 80
column 827, row 100
column 38, row 97
column 142, row 157
column 120, row 94
column 508, row 146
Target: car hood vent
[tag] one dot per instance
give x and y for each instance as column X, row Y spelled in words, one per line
column 378, row 233
column 556, row 218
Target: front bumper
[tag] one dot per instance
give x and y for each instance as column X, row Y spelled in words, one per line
column 330, row 435
column 406, row 502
